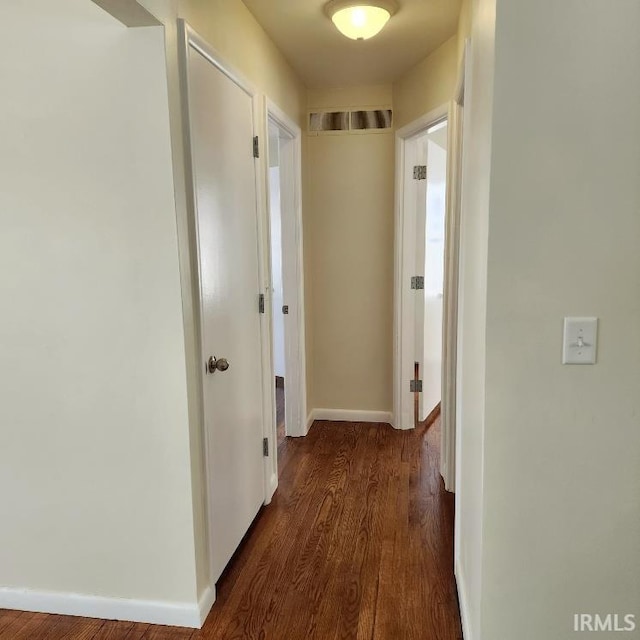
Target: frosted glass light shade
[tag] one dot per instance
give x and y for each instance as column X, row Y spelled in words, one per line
column 360, row 21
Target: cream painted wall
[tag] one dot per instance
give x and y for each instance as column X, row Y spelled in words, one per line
column 430, row 84
column 309, row 319
column 95, row 492
column 346, row 97
column 348, row 219
column 562, row 443
column 464, row 26
column 230, row 28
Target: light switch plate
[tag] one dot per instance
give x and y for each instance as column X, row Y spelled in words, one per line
column 580, row 341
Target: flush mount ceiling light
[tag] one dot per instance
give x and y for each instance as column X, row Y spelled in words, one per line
column 360, row 20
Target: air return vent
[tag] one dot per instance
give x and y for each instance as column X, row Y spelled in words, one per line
column 329, row 121
column 346, row 121
column 379, row 119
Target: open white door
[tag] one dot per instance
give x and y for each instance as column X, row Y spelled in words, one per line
column 291, row 241
column 414, row 187
column 416, row 198
column 434, row 243
column 425, row 198
column 221, row 122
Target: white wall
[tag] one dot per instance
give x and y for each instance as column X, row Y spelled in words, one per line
column 434, row 271
column 95, row 492
column 562, row 443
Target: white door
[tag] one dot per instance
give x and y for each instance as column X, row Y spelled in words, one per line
column 417, row 197
column 428, row 197
column 290, row 287
column 222, row 127
column 434, row 272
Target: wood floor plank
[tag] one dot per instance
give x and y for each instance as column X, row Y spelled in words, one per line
column 73, row 628
column 15, row 623
column 167, row 633
column 30, row 627
column 360, row 558
column 138, row 631
column 265, row 570
column 8, row 616
column 114, row 630
column 302, row 579
column 337, row 539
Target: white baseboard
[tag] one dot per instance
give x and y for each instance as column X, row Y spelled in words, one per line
column 206, row 601
column 464, row 603
column 174, row 614
column 271, row 489
column 349, row 415
column 310, row 419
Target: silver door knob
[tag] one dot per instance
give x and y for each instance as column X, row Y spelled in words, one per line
column 217, row 364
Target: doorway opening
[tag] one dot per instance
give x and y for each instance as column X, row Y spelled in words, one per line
column 427, row 240
column 420, row 256
column 432, row 151
column 278, row 306
column 286, row 301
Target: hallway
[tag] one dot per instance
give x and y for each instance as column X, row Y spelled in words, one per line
column 357, row 543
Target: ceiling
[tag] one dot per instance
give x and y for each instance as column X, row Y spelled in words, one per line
column 323, row 57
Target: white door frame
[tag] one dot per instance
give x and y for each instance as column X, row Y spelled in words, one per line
column 451, row 343
column 406, row 224
column 295, row 359
column 188, row 37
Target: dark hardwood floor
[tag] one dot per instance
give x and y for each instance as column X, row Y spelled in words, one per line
column 356, row 544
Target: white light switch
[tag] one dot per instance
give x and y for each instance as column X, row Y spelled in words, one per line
column 580, row 341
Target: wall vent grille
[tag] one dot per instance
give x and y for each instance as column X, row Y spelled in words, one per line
column 329, row 121
column 346, row 121
column 378, row 119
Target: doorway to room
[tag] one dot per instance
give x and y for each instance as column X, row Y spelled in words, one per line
column 420, row 265
column 432, row 151
column 285, row 304
column 278, row 307
column 427, row 256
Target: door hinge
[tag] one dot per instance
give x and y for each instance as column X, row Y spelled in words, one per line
column 261, row 303
column 415, row 386
column 265, row 447
column 256, row 147
column 420, row 172
column 417, row 282
column 285, row 309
